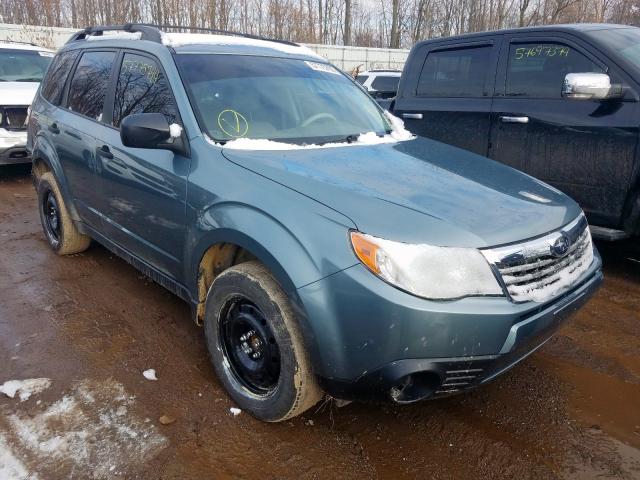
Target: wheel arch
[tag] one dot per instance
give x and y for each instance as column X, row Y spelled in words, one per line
column 45, row 158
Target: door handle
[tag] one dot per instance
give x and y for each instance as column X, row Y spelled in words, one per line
column 412, row 116
column 53, row 128
column 514, row 119
column 104, row 151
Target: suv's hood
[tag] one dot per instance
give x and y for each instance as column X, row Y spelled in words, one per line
column 17, row 93
column 419, row 191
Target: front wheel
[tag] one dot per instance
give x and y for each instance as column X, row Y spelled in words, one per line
column 256, row 346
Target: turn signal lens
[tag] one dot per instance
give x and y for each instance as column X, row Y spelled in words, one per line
column 366, row 250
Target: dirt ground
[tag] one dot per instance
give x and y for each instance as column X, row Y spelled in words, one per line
column 92, row 324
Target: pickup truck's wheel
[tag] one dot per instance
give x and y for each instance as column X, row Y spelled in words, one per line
column 256, row 346
column 59, row 230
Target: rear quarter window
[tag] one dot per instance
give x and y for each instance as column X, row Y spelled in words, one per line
column 456, row 72
column 56, row 77
column 361, row 79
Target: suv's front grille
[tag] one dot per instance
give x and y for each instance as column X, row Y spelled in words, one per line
column 13, row 118
column 543, row 268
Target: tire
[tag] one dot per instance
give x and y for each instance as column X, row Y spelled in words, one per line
column 61, row 234
column 246, row 298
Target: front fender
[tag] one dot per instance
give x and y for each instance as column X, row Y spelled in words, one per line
column 297, row 253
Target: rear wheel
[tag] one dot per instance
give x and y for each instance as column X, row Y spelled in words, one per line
column 256, row 346
column 61, row 234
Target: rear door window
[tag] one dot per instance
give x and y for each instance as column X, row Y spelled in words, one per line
column 537, row 70
column 142, row 88
column 456, row 72
column 385, row 84
column 56, row 77
column 89, row 84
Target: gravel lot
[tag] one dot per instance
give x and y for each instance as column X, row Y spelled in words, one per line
column 92, row 324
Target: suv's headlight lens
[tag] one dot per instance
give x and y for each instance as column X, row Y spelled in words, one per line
column 437, row 273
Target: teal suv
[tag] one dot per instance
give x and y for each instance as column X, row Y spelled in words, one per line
column 323, row 248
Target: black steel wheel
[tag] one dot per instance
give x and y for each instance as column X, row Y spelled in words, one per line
column 51, row 213
column 60, row 231
column 256, row 346
column 250, row 346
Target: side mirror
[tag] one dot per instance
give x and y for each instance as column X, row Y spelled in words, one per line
column 590, row 86
column 151, row 130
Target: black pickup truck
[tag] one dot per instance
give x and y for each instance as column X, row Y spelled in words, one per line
column 558, row 102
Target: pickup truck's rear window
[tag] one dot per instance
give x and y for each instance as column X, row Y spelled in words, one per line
column 457, row 72
column 288, row 100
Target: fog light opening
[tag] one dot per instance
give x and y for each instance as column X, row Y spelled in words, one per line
column 414, row 387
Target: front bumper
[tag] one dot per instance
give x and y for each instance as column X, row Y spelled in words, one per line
column 376, row 343
column 13, row 147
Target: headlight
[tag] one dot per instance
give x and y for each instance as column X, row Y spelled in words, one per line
column 436, row 273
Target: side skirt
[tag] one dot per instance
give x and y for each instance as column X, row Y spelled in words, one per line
column 157, row 276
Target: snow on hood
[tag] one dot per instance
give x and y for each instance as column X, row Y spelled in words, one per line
column 398, row 134
column 181, row 39
column 17, row 93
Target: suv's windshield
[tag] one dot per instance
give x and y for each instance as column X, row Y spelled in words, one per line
column 624, row 41
column 23, row 65
column 279, row 99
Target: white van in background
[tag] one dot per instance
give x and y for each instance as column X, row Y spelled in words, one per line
column 22, row 66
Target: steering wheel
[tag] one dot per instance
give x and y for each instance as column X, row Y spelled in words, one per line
column 316, row 117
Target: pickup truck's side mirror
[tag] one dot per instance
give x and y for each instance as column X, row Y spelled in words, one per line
column 151, row 130
column 590, row 86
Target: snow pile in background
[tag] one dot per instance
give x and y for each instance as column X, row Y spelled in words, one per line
column 180, row 39
column 91, row 429
column 24, row 388
column 115, row 36
column 398, row 134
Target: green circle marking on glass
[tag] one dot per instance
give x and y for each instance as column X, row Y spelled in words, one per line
column 233, row 123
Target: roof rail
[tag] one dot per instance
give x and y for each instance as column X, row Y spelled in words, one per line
column 147, row 32
column 153, row 32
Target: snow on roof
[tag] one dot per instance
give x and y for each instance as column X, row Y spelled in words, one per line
column 115, row 35
column 181, row 39
column 398, row 134
column 22, row 46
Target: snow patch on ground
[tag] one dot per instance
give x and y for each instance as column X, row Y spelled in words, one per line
column 11, row 468
column 236, row 411
column 180, row 39
column 398, row 134
column 24, row 388
column 150, row 374
column 91, row 429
